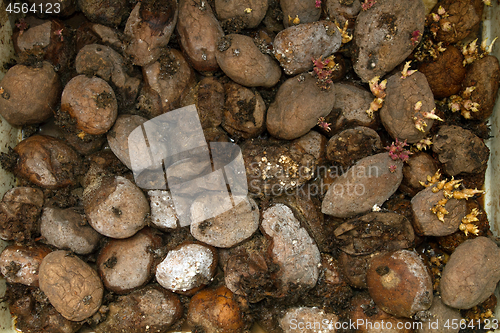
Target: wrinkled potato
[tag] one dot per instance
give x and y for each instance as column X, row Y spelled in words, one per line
column 464, row 16
column 68, row 229
column 115, row 206
column 126, row 264
column 199, row 32
column 149, row 28
column 71, row 285
column 20, row 264
column 297, row 107
column 239, row 10
column 241, row 60
column 382, row 36
column 46, row 161
column 28, row 94
column 91, row 102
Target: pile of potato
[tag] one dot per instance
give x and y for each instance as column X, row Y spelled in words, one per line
column 361, row 126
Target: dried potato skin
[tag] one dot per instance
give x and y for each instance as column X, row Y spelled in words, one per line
column 382, row 36
column 484, row 74
column 464, row 16
column 71, row 285
column 445, row 74
column 29, row 94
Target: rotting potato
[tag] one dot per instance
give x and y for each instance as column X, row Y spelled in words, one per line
column 71, row 285
column 103, row 163
column 471, row 274
column 408, row 101
column 28, row 94
column 91, row 102
column 103, row 61
column 170, row 78
column 109, row 12
column 215, row 310
column 350, row 145
column 445, row 74
column 46, row 161
column 149, row 309
column 119, row 133
column 249, row 12
column 20, row 264
column 187, row 268
column 382, row 36
column 460, row 150
column 299, row 11
column 19, row 211
column 298, row 105
column 399, row 283
column 244, row 112
column 127, row 264
column 484, row 76
column 209, row 101
column 355, row 267
column 68, row 229
column 292, row 249
column 241, row 60
column 149, row 28
column 294, row 47
column 199, row 32
column 115, row 206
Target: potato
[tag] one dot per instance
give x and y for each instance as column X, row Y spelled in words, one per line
column 109, row 12
column 149, row 28
column 399, row 283
column 244, row 112
column 163, row 213
column 71, row 285
column 103, row 61
column 28, row 94
column 19, row 264
column 91, row 102
column 199, row 33
column 306, row 320
column 249, row 12
column 382, row 36
column 354, row 268
column 171, row 78
column 292, row 249
column 305, row 10
column 400, row 113
column 350, row 145
column 294, row 47
column 415, row 170
column 343, row 10
column 460, row 150
column 209, row 101
column 127, row 264
column 484, row 75
column 115, row 207
column 68, row 229
column 375, row 232
column 440, row 313
column 118, row 136
column 464, row 16
column 47, row 162
column 470, row 275
column 241, row 60
column 19, row 211
column 369, row 182
column 297, row 107
column 446, row 73
column 149, row 309
column 187, row 268
column 215, row 310
column 86, row 146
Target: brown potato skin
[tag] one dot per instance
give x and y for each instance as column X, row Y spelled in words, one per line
column 305, row 9
column 71, row 285
column 242, row 61
column 27, row 259
column 464, row 16
column 46, row 161
column 92, row 102
column 199, row 31
column 29, row 94
column 235, row 9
